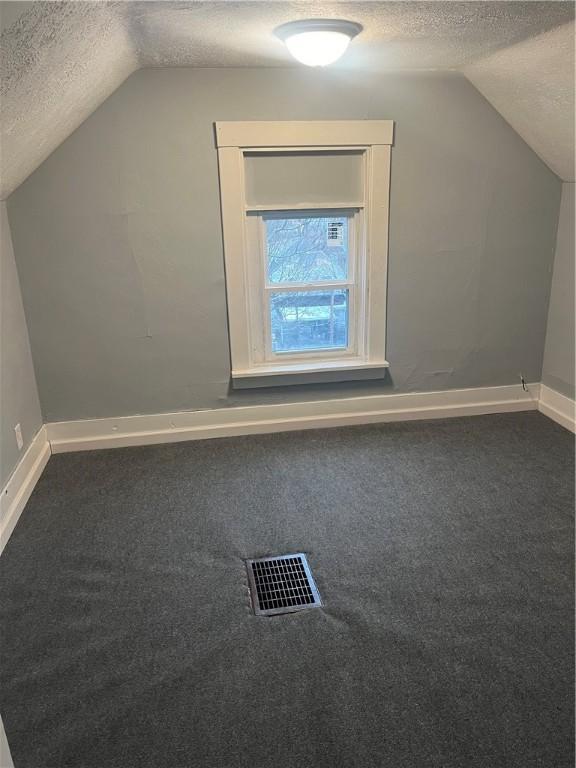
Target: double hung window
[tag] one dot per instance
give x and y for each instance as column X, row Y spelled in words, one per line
column 305, row 237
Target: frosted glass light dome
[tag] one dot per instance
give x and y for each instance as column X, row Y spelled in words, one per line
column 317, row 42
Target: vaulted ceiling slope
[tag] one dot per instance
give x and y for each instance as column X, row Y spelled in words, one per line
column 531, row 84
column 61, row 60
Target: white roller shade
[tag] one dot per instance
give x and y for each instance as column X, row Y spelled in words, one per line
column 295, row 178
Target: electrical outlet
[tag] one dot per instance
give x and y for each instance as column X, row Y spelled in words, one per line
column 19, row 439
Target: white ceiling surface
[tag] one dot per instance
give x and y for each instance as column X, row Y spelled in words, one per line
column 531, row 84
column 60, row 60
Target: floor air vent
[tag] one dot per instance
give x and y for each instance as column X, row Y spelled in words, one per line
column 281, row 584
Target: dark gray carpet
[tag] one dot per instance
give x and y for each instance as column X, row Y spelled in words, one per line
column 443, row 552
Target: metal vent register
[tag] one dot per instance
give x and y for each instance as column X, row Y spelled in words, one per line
column 281, row 584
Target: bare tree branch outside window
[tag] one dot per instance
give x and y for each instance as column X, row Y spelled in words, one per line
column 298, row 251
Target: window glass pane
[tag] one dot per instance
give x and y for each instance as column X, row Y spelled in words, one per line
column 309, row 320
column 307, row 249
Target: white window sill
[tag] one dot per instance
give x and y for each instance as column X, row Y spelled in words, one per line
column 307, row 373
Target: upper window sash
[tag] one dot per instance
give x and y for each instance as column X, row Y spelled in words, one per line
column 350, row 246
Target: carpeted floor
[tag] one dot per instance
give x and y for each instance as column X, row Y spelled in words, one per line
column 443, row 552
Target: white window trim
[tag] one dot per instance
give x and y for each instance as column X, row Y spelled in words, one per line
column 373, row 138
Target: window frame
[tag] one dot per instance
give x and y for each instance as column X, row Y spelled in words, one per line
column 261, row 289
column 245, row 251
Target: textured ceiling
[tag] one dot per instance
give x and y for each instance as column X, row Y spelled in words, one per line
column 60, row 60
column 531, row 84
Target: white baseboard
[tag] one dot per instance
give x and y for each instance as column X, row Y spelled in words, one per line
column 243, row 420
column 17, row 490
column 558, row 407
column 5, row 756
column 90, row 434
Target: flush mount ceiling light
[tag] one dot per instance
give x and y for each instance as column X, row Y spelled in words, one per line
column 317, row 42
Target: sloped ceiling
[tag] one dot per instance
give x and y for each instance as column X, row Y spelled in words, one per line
column 60, row 60
column 531, row 84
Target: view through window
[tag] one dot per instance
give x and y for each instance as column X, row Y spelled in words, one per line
column 308, row 276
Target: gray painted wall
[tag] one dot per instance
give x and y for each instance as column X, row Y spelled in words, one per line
column 559, row 362
column 18, row 394
column 118, row 239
